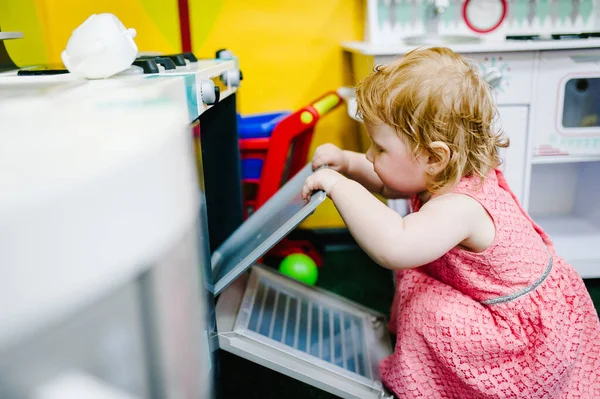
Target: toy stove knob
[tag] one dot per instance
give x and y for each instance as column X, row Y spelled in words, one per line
column 232, row 77
column 224, row 54
column 493, row 77
column 209, row 92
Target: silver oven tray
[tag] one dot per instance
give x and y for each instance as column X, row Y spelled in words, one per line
column 304, row 332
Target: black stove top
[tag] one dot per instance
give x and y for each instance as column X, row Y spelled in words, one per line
column 556, row 36
column 149, row 64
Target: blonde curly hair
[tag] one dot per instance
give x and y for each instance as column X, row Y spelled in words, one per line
column 434, row 95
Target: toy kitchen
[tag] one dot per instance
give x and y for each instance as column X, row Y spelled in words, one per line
column 125, row 260
column 542, row 61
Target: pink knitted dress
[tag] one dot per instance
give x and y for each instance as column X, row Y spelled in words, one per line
column 514, row 321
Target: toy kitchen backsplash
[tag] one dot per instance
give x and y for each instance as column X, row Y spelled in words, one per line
column 390, row 19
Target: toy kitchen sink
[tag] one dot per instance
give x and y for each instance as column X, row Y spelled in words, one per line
column 298, row 330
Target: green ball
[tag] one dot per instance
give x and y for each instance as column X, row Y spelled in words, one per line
column 300, row 267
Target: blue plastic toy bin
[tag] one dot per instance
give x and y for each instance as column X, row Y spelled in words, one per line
column 251, row 168
column 257, row 126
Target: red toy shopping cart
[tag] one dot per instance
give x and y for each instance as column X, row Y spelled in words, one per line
column 273, row 148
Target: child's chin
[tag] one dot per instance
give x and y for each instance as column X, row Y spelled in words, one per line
column 407, row 191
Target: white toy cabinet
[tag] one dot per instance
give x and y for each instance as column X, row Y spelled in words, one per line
column 549, row 106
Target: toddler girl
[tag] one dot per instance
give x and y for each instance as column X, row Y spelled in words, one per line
column 484, row 307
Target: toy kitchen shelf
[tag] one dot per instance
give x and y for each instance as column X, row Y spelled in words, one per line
column 548, row 97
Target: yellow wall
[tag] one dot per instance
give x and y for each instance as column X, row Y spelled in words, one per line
column 289, row 50
column 290, row 54
column 47, row 25
column 22, row 16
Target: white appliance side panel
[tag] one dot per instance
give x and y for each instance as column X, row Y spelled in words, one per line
column 513, row 120
column 179, row 317
column 105, row 341
column 556, row 68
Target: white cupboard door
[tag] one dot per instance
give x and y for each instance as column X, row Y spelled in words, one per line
column 513, row 120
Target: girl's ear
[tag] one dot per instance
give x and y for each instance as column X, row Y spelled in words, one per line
column 439, row 156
